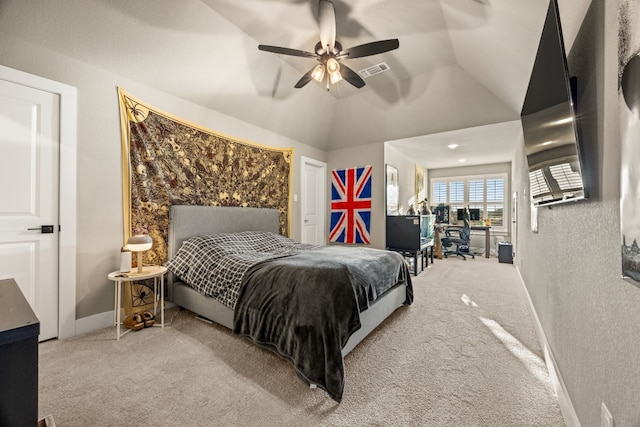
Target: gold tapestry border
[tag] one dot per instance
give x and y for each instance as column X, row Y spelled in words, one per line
column 130, row 108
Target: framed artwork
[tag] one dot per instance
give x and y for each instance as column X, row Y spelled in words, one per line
column 629, row 108
column 420, row 191
column 392, row 189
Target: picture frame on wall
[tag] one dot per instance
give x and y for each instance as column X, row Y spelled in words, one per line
column 420, row 190
column 392, row 190
column 629, row 109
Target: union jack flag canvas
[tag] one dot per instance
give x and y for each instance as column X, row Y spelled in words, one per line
column 351, row 205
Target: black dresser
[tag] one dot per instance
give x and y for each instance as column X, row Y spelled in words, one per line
column 19, row 329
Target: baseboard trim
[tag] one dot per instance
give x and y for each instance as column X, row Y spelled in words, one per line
column 102, row 320
column 566, row 406
column 94, row 323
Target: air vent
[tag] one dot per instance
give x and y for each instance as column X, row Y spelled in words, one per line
column 374, row 69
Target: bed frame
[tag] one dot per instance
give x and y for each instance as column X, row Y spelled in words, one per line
column 189, row 221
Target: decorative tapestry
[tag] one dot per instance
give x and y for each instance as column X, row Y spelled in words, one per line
column 351, row 205
column 169, row 161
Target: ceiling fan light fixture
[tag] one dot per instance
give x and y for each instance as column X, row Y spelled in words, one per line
column 335, row 77
column 328, row 51
column 318, row 73
column 333, row 68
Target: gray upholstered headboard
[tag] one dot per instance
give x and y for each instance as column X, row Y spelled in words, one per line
column 188, row 221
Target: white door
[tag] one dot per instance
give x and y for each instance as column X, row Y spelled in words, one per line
column 313, row 201
column 29, row 185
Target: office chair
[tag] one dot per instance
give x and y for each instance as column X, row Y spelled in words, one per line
column 460, row 237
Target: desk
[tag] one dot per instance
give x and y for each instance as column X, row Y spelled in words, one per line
column 487, row 237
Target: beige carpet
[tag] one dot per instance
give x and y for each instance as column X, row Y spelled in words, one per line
column 464, row 354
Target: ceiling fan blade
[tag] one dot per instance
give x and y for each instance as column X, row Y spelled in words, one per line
column 327, row 24
column 305, row 79
column 369, row 49
column 286, row 51
column 351, row 76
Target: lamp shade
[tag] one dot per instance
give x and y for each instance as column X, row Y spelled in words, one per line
column 141, row 242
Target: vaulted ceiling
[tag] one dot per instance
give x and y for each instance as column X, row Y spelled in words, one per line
column 461, row 63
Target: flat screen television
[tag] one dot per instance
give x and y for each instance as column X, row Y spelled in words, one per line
column 549, row 122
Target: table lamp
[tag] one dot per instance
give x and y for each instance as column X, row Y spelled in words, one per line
column 139, row 244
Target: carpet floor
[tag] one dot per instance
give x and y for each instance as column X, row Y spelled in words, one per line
column 465, row 353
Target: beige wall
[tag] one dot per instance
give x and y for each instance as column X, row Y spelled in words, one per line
column 371, row 154
column 406, row 176
column 99, row 187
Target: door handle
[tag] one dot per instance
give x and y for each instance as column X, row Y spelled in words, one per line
column 306, row 220
column 44, row 229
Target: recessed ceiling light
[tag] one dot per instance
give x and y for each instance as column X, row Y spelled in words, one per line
column 462, row 160
column 452, row 146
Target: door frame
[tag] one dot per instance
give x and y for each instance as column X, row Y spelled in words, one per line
column 514, row 223
column 67, row 191
column 321, row 194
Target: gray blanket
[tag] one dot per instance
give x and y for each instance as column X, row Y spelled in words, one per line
column 306, row 306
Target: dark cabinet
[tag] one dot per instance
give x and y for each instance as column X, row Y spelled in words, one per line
column 505, row 252
column 19, row 329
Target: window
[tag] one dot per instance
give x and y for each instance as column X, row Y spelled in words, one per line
column 495, row 201
column 456, row 198
column 476, row 190
column 456, row 191
column 439, row 193
column 487, row 193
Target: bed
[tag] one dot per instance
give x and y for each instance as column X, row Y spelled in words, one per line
column 316, row 354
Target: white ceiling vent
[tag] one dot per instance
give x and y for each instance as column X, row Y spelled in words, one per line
column 374, row 69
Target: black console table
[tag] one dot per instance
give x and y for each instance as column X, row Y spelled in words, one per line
column 413, row 237
column 19, row 329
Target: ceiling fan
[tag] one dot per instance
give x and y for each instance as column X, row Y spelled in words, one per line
column 329, row 52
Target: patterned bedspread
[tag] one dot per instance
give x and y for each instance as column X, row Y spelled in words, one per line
column 214, row 264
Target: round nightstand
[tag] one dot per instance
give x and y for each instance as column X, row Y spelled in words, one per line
column 154, row 272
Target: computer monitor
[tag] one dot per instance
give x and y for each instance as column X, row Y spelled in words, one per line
column 474, row 214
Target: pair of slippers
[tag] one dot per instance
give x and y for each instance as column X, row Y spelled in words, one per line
column 137, row 321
